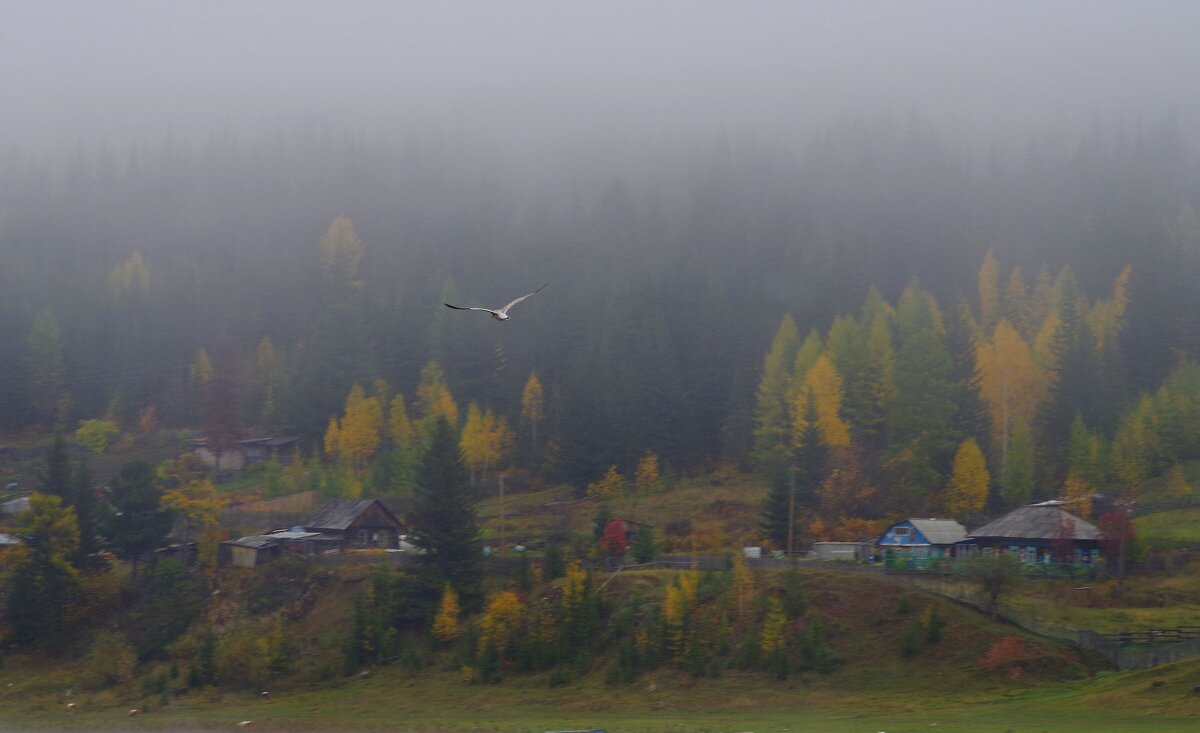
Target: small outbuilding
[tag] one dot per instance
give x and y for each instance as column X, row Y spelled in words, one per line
column 357, row 523
column 250, row 552
column 921, row 538
column 842, row 551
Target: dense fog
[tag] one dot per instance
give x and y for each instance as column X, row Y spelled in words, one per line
column 681, row 174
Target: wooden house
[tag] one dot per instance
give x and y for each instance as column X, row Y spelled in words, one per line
column 1039, row 533
column 246, row 452
column 921, row 538
column 358, row 523
column 631, row 528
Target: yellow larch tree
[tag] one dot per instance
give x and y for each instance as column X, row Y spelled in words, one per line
column 130, row 278
column 967, row 490
column 1107, row 316
column 809, row 351
column 609, row 486
column 201, row 506
column 646, row 478
column 361, row 424
column 471, row 443
column 677, row 606
column 445, row 623
column 333, row 439
column 400, row 427
column 825, row 384
column 773, row 638
column 1010, row 384
column 201, row 371
column 500, row 616
column 341, row 251
column 533, row 408
column 485, row 440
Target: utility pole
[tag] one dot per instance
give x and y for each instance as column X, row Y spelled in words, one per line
column 791, row 510
column 501, row 512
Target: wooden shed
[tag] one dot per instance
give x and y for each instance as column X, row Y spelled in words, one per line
column 358, row 523
column 250, row 552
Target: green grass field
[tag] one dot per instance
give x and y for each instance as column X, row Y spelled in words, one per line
column 1154, row 701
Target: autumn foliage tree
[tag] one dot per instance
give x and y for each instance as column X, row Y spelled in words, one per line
column 967, row 491
column 445, row 623
column 646, row 478
column 38, row 577
column 613, row 541
column 485, row 441
column 533, row 409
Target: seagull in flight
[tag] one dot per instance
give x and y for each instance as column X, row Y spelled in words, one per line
column 500, row 314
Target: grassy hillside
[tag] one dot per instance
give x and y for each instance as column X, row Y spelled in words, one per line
column 978, row 675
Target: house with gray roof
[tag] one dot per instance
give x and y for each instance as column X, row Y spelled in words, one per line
column 1038, row 533
column 921, row 538
column 358, row 523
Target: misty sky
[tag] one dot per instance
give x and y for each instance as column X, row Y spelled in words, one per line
column 117, row 71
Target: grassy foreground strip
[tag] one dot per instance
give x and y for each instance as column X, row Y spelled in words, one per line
column 1152, row 701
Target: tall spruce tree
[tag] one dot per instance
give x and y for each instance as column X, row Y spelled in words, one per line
column 138, row 523
column 444, row 525
column 72, row 484
column 921, row 410
column 1072, row 381
column 771, row 415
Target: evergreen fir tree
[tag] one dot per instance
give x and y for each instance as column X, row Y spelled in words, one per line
column 771, row 416
column 444, row 524
column 1072, row 383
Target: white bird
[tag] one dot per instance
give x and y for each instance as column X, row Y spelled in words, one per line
column 500, row 314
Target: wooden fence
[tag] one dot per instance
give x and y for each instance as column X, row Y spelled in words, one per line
column 1124, row 649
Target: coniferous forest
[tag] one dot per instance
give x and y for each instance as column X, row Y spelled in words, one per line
column 296, row 267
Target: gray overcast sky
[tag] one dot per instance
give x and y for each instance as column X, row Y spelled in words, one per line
column 122, row 70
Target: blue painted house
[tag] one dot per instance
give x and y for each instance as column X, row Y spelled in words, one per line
column 921, row 538
column 1038, row 533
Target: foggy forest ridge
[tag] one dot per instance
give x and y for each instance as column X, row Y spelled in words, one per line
column 683, row 174
column 510, row 72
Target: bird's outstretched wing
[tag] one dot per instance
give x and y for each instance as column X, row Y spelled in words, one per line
column 460, row 308
column 523, row 297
